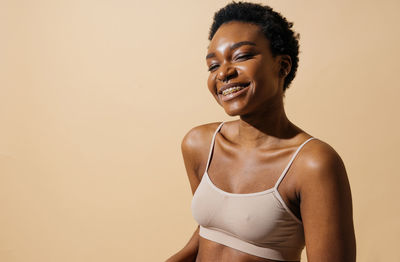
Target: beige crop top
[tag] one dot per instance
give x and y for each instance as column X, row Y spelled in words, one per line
column 258, row 223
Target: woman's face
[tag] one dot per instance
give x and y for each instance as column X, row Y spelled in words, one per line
column 244, row 76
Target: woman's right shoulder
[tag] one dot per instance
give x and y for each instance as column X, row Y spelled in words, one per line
column 199, row 138
column 196, row 144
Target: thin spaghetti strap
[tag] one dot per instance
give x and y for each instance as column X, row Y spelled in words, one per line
column 212, row 145
column 290, row 162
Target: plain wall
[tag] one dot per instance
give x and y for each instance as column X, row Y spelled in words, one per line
column 96, row 96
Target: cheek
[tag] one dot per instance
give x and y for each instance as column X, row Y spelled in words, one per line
column 253, row 69
column 264, row 74
column 211, row 83
column 260, row 70
column 212, row 86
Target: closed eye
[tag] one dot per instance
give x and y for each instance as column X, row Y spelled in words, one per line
column 212, row 67
column 243, row 57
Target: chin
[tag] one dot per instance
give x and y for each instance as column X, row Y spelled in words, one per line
column 234, row 111
column 231, row 113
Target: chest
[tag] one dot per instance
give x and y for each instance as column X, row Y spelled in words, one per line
column 259, row 217
column 241, row 171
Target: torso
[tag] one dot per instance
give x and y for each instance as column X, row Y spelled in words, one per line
column 250, row 170
column 212, row 251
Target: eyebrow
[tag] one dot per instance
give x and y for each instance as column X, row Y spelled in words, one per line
column 233, row 47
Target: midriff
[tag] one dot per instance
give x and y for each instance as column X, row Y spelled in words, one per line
column 210, row 251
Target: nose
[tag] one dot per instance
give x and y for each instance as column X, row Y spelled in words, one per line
column 226, row 72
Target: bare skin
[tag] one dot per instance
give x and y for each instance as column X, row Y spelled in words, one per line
column 258, row 146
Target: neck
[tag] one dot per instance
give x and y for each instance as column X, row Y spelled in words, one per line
column 265, row 128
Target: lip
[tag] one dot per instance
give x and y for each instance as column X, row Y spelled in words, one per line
column 233, row 95
column 232, row 85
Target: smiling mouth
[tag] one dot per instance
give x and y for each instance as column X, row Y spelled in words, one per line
column 234, row 88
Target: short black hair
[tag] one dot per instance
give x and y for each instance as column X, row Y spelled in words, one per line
column 283, row 40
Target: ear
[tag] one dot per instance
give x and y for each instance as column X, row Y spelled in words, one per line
column 285, row 65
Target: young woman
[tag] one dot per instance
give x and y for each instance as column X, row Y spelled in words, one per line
column 263, row 188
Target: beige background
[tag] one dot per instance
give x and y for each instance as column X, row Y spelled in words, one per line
column 96, row 96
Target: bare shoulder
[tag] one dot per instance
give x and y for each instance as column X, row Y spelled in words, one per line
column 322, row 177
column 319, row 160
column 325, row 204
column 196, row 144
column 197, row 138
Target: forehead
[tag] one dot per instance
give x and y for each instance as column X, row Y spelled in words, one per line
column 234, row 32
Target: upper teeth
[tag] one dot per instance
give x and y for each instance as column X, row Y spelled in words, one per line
column 232, row 89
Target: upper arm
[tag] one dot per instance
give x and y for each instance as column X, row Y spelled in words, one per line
column 326, row 207
column 194, row 148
